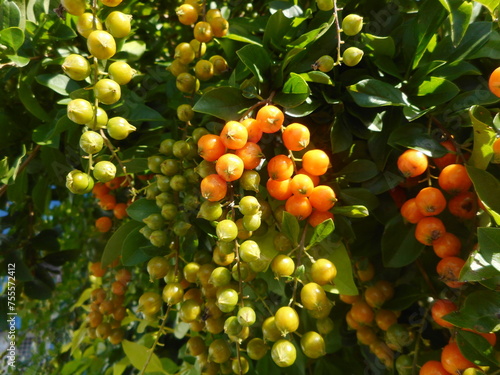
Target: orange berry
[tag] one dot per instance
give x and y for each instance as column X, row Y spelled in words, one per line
column 412, row 163
column 494, row 82
column 253, row 129
column 429, row 229
column 100, row 189
column 270, row 119
column 234, row 135
column 385, row 319
column 296, row 137
column 280, row 168
column 301, row 184
column 315, row 162
column 449, row 269
column 211, row 147
column 251, row 154
column 279, row 190
column 187, row 14
column 298, row 206
column 116, row 182
column 120, row 211
column 410, row 211
column 433, row 368
column 447, row 246
column 441, row 308
column 362, row 313
column 449, row 158
column 97, row 270
column 230, row 167
column 103, row 224
column 322, row 198
column 317, row 217
column 213, row 188
column 453, row 360
column 315, row 179
column 203, row 32
column 430, row 201
column 107, row 202
column 463, row 205
column 454, row 179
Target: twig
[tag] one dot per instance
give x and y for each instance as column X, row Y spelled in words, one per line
column 339, row 30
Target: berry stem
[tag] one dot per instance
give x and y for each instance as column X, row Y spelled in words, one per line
column 339, row 30
column 299, row 256
column 122, row 166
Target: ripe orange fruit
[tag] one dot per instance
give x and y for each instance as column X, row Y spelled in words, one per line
column 463, row 205
column 298, row 206
column 107, row 202
column 385, row 319
column 99, row 190
column 301, row 184
column 211, row 147
column 203, row 32
column 362, row 313
column 315, row 162
column 449, row 158
column 296, row 137
column 230, row 167
column 449, row 269
column 410, row 211
column 494, row 82
column 447, row 246
column 213, row 188
column 220, row 26
column 453, row 360
column 315, row 179
column 429, row 229
column 120, row 211
column 187, row 14
column 270, row 119
column 491, row 337
column 322, row 198
column 251, row 154
column 96, row 270
column 412, row 163
column 279, row 190
column 253, row 129
column 454, row 179
column 234, row 135
column 280, row 168
column 349, row 299
column 441, row 308
column 433, row 368
column 430, row 201
column 116, row 182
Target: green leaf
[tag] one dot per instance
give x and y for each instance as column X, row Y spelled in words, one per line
column 226, row 103
column 476, row 349
column 489, row 245
column 23, row 273
column 142, row 208
column 488, row 4
column 460, row 13
column 417, row 137
column 399, row 246
column 29, row 100
column 85, row 296
column 484, row 136
column 60, row 83
column 374, row 93
column 136, row 165
column 486, row 186
column 479, row 312
column 257, row 60
column 277, row 27
column 434, row 91
column 359, row 170
column 304, row 109
column 322, row 231
column 359, row 196
column 356, row 211
column 113, row 248
column 337, row 253
column 37, row 289
column 290, row 227
column 405, row 295
column 317, row 77
column 464, row 100
column 12, row 37
column 60, row 257
column 476, row 268
column 46, row 240
column 41, row 195
column 10, row 15
column 478, row 33
column 132, row 253
column 295, row 91
column 137, row 354
column 379, row 45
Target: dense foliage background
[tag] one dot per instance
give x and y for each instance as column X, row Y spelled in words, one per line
column 423, row 80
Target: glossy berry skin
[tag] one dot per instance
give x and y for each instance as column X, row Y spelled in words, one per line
column 449, row 269
column 101, row 44
column 441, row 308
column 283, row 353
column 433, row 368
column 412, row 163
column 118, row 24
column 453, row 360
column 76, row 67
column 429, row 229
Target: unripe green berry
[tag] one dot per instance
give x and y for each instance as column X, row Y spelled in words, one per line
column 78, row 182
column 91, row 142
column 118, row 128
column 352, row 56
column 80, row 111
column 249, row 205
column 118, row 24
column 227, row 300
column 76, row 67
column 324, row 5
column 226, row 230
column 101, row 44
column 167, row 146
column 178, row 183
column 220, row 276
column 232, row 326
column 210, row 211
column 352, row 24
column 163, row 183
column 249, row 251
column 154, row 163
column 121, row 72
column 170, row 167
column 169, row 211
column 246, row 316
column 252, row 222
column 154, row 221
column 158, row 238
column 283, row 353
column 181, row 228
column 185, row 112
column 324, row 64
column 104, row 171
column 99, row 121
column 257, row 348
column 107, row 91
column 250, row 180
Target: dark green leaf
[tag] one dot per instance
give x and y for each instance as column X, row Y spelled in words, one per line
column 257, row 60
column 12, row 37
column 417, row 137
column 359, row 170
column 489, row 245
column 399, row 246
column 404, row 296
column 379, row 45
column 304, row 109
column 37, row 289
column 41, row 195
column 476, row 36
column 226, row 103
column 476, row 268
column 464, row 100
column 294, row 92
column 277, row 27
column 434, row 91
column 60, row 83
column 374, row 93
column 290, row 227
column 30, row 102
column 322, row 231
column 351, row 211
column 491, row 49
column 137, row 354
column 61, row 31
column 340, row 135
column 132, row 254
column 134, row 111
column 46, row 240
column 486, row 186
column 479, row 312
column 23, row 273
column 317, row 77
column 476, row 349
column 136, row 165
column 359, row 196
column 484, row 136
column 114, row 245
column 460, row 13
column 142, row 208
column 10, row 15
column 455, row 70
